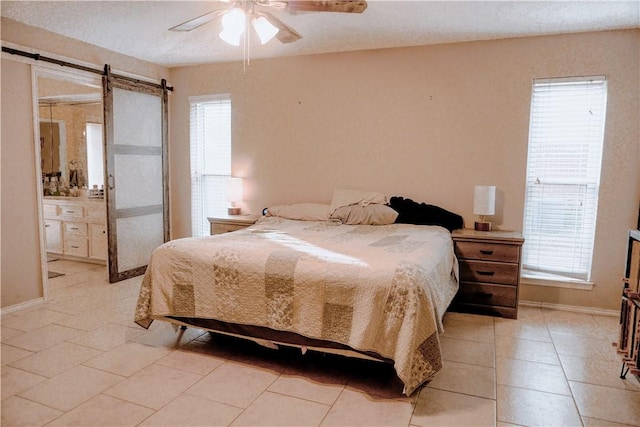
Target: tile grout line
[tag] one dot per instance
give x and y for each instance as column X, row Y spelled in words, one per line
column 564, row 373
column 495, row 369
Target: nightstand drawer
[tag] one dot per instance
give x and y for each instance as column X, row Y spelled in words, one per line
column 481, row 293
column 487, row 251
column 489, row 264
column 488, row 272
column 221, row 228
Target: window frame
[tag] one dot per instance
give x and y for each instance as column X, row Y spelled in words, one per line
column 205, row 203
column 580, row 278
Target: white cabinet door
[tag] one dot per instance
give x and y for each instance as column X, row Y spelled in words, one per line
column 98, row 241
column 53, row 229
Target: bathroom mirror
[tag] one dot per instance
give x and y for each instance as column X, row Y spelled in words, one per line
column 71, row 147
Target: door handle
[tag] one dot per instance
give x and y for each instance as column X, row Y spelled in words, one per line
column 112, row 182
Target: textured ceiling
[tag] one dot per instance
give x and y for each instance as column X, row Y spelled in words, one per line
column 140, row 28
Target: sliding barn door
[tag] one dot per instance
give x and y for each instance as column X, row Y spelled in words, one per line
column 136, row 174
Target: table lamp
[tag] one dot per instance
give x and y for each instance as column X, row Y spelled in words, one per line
column 484, row 203
column 234, row 194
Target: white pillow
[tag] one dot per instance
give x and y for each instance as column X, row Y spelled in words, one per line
column 343, row 197
column 301, row 211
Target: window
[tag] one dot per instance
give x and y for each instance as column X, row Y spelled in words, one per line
column 566, row 134
column 95, row 158
column 210, row 159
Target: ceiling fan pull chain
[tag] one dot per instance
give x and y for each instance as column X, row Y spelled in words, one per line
column 248, row 35
column 245, row 49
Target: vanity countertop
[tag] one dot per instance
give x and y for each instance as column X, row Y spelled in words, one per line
column 74, row 199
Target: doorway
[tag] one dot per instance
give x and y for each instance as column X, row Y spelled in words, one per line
column 73, row 216
column 105, row 199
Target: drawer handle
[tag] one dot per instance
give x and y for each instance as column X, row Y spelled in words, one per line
column 74, row 228
column 485, row 273
column 486, row 252
column 481, row 294
column 70, row 212
column 75, row 247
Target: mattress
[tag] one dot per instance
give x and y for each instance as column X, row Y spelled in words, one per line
column 380, row 290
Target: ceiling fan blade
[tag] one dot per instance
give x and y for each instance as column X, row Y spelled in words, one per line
column 194, row 23
column 286, row 33
column 345, row 6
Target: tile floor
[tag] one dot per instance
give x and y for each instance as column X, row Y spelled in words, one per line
column 80, row 360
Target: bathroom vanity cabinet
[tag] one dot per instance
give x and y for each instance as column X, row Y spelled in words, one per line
column 76, row 228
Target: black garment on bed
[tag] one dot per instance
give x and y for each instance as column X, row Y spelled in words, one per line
column 410, row 212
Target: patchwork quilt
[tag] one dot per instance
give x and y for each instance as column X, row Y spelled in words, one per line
column 380, row 289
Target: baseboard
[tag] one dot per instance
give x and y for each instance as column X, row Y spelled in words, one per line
column 21, row 306
column 572, row 308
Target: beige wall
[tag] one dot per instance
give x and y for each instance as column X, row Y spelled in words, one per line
column 427, row 123
column 21, row 278
column 21, row 273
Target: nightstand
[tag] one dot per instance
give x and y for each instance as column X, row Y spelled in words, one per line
column 490, row 263
column 226, row 223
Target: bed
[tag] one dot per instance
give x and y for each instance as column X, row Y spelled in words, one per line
column 376, row 291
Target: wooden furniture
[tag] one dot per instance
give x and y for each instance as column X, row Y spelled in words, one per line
column 76, row 228
column 490, row 263
column 227, row 223
column 629, row 340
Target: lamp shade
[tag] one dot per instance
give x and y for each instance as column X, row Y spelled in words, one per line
column 231, row 37
column 484, row 200
column 234, row 189
column 233, row 24
column 234, row 20
column 265, row 30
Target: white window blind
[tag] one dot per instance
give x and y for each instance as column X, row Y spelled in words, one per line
column 566, row 134
column 210, row 159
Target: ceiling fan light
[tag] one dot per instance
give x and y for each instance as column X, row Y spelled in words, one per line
column 233, row 24
column 265, row 29
column 230, row 37
column 234, row 20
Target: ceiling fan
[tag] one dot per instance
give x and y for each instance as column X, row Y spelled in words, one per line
column 236, row 18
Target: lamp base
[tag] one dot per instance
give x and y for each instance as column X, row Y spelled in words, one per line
column 233, row 211
column 482, row 226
